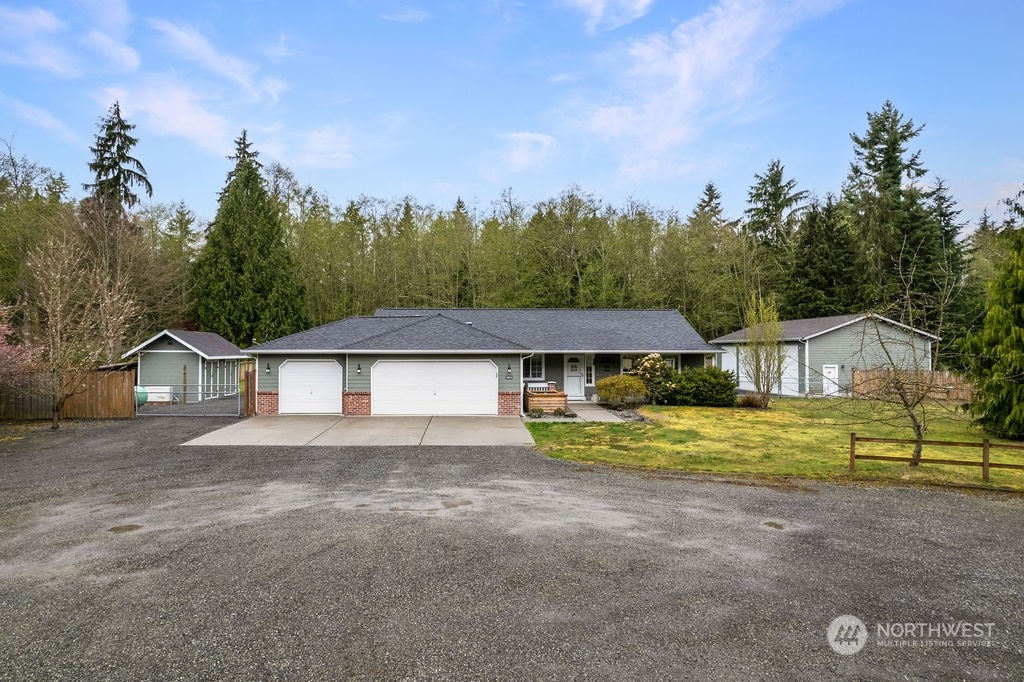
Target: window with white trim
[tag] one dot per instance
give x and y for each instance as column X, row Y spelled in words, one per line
column 671, row 360
column 533, row 368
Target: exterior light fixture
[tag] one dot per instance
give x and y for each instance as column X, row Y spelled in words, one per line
column 359, row 369
column 268, row 368
column 508, row 372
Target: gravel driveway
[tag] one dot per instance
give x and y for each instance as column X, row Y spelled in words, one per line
column 123, row 556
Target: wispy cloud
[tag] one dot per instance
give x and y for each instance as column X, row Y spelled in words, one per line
column 120, row 55
column 171, row 108
column 408, row 15
column 30, row 38
column 609, row 14
column 40, row 118
column 707, row 69
column 110, row 16
column 526, row 150
column 279, row 50
column 192, row 45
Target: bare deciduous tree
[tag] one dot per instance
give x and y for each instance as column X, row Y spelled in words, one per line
column 80, row 313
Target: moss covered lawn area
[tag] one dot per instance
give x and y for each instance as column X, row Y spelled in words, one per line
column 796, row 438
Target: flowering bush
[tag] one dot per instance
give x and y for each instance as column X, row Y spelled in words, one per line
column 659, row 379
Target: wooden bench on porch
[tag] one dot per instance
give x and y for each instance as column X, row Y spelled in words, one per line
column 545, row 397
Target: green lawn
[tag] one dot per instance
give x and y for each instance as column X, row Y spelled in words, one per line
column 795, row 438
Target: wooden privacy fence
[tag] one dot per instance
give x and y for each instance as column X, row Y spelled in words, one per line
column 985, row 446
column 941, row 385
column 103, row 395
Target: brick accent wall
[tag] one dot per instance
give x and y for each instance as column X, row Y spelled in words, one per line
column 510, row 403
column 357, row 403
column 266, row 402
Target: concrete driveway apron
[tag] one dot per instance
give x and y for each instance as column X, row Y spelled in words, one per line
column 327, row 430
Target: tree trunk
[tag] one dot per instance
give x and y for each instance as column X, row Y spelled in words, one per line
column 915, row 459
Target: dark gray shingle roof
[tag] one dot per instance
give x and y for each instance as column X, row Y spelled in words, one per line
column 499, row 329
column 798, row 330
column 575, row 329
column 207, row 344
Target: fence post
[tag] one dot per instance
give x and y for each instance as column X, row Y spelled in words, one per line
column 984, row 460
column 853, row 451
column 184, row 384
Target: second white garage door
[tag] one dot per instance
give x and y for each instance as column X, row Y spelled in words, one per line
column 310, row 387
column 434, row 387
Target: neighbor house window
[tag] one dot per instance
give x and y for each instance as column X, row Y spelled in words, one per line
column 533, row 367
column 588, row 374
column 672, row 361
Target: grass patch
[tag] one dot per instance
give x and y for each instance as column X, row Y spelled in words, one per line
column 796, row 438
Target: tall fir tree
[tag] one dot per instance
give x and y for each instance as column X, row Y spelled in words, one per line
column 995, row 353
column 116, row 172
column 819, row 279
column 244, row 284
column 774, row 207
column 908, row 260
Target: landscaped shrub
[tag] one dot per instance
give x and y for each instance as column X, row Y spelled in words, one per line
column 749, row 400
column 659, row 379
column 621, row 389
column 703, row 387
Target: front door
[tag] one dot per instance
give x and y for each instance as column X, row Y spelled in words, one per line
column 574, row 377
column 830, row 379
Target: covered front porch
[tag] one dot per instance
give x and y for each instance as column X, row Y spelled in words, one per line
column 577, row 373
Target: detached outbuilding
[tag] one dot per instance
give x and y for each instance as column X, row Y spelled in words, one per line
column 178, row 365
column 822, row 352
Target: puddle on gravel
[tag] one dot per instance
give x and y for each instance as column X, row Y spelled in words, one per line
column 126, row 528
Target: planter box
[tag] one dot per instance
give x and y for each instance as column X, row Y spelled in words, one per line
column 546, row 401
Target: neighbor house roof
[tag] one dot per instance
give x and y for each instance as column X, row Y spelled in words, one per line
column 207, row 344
column 499, row 329
column 808, row 328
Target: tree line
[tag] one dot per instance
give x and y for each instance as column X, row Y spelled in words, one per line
column 93, row 276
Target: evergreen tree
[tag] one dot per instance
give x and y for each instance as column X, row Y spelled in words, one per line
column 909, row 262
column 709, row 206
column 775, row 206
column 244, row 280
column 116, row 171
column 819, row 280
column 996, row 351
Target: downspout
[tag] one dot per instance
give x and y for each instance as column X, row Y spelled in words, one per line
column 807, row 367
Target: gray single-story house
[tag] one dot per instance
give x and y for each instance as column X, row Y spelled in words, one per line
column 461, row 361
column 821, row 352
column 185, row 366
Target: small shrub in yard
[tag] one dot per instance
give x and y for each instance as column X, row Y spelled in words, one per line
column 749, row 400
column 535, row 413
column 622, row 389
column 704, row 387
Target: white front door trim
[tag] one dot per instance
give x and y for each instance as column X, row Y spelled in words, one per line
column 574, row 376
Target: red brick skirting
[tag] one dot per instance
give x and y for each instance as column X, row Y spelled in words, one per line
column 266, row 402
column 510, row 403
column 357, row 403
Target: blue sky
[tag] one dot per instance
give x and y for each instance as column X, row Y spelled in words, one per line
column 640, row 99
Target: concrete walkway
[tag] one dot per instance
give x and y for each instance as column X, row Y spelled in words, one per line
column 297, row 430
column 585, row 412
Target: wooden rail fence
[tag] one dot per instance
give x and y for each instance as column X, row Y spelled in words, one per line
column 985, row 446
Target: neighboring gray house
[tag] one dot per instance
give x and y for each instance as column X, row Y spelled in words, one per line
column 461, row 361
column 180, row 365
column 820, row 352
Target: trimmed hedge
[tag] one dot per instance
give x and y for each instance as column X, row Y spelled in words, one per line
column 621, row 389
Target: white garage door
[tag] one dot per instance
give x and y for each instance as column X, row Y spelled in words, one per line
column 434, row 387
column 310, row 387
